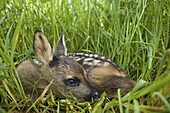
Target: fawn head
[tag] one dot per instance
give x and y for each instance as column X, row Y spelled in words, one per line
column 69, row 76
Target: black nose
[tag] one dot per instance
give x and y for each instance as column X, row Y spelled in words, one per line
column 95, row 94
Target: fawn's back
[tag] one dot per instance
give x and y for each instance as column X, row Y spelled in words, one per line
column 103, row 74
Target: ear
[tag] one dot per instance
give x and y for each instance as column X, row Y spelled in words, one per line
column 42, row 47
column 61, row 49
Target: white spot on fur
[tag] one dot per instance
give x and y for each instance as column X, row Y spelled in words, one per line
column 96, row 62
column 96, row 56
column 103, row 57
column 85, row 63
column 88, row 63
column 37, row 62
column 86, row 55
column 91, row 55
column 80, row 53
column 109, row 60
column 78, row 59
column 106, row 64
column 88, row 59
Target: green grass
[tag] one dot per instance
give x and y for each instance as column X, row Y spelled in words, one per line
column 133, row 33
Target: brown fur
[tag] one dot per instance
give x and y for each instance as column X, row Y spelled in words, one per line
column 103, row 74
column 90, row 71
column 109, row 79
column 69, row 76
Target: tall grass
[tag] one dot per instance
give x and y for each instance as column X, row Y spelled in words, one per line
column 133, row 33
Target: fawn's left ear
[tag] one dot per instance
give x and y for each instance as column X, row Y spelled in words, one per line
column 42, row 47
column 61, row 49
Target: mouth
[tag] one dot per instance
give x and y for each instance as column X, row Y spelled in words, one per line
column 92, row 99
column 94, row 96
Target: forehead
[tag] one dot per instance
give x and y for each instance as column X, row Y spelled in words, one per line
column 68, row 66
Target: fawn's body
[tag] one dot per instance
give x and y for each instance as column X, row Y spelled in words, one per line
column 103, row 74
column 80, row 75
column 69, row 76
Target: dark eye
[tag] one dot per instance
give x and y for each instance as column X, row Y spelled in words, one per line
column 73, row 82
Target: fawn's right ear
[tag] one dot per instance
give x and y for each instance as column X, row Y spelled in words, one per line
column 61, row 49
column 42, row 47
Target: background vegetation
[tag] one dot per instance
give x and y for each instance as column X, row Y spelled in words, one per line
column 133, row 33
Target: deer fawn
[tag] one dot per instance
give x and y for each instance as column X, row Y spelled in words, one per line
column 69, row 76
column 78, row 74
